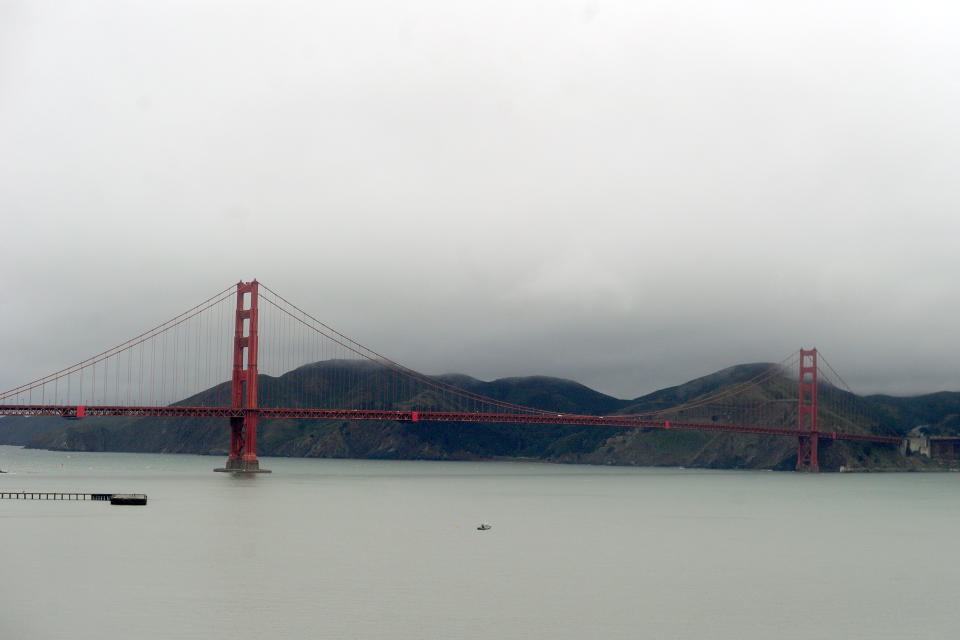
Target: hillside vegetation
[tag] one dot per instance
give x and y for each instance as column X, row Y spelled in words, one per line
column 772, row 403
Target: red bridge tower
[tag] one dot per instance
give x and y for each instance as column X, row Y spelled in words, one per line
column 243, row 429
column 807, row 412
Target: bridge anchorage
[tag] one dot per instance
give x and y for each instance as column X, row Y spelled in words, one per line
column 243, row 428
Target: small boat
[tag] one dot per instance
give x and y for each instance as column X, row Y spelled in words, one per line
column 483, row 527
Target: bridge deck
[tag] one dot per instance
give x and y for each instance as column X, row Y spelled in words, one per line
column 626, row 422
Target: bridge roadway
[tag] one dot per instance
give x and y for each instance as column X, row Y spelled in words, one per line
column 626, row 422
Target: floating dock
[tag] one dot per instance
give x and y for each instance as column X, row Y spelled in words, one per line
column 113, row 498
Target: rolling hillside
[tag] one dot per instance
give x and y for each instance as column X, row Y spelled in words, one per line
column 771, row 403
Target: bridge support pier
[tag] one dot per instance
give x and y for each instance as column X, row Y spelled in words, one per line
column 807, row 412
column 243, row 430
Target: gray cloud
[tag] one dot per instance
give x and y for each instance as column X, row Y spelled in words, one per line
column 629, row 194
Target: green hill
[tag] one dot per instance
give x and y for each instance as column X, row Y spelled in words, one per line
column 772, row 403
column 936, row 414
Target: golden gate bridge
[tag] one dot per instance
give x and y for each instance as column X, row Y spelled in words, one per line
column 177, row 370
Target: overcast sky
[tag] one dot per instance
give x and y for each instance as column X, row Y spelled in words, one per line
column 629, row 194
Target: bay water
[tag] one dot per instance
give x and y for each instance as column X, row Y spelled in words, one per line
column 390, row 549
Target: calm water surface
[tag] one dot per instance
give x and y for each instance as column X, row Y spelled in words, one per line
column 370, row 549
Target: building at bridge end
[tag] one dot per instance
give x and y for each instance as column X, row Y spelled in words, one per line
column 940, row 448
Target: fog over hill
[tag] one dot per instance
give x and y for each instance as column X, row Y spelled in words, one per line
column 628, row 193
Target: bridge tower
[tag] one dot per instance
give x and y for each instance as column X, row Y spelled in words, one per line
column 243, row 429
column 807, row 412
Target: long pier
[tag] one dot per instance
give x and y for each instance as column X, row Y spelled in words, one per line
column 112, row 498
